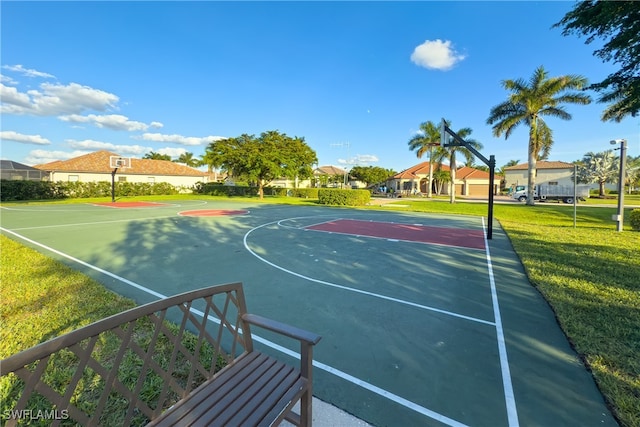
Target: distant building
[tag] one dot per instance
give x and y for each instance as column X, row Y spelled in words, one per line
column 469, row 181
column 323, row 176
column 95, row 166
column 547, row 172
column 17, row 171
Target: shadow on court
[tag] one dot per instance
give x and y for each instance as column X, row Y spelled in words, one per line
column 415, row 332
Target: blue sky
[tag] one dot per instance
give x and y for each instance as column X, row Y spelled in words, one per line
column 355, row 79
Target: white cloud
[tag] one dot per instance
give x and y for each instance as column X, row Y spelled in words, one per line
column 92, row 145
column 173, row 152
column 111, row 121
column 8, row 80
column 38, row 157
column 436, row 55
column 28, row 72
column 15, row 100
column 359, row 159
column 367, row 158
column 56, row 99
column 179, row 139
column 9, row 135
column 156, row 125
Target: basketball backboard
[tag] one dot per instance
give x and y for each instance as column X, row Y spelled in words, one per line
column 118, row 162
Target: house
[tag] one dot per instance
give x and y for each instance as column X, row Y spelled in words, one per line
column 469, row 181
column 95, row 166
column 547, row 172
column 323, row 176
column 17, row 171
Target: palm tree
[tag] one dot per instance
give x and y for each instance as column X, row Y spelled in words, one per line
column 528, row 104
column 427, row 138
column 188, row 159
column 152, row 155
column 450, row 154
column 600, row 168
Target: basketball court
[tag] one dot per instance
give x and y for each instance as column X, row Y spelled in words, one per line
column 424, row 320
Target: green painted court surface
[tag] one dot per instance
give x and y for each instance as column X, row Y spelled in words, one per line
column 419, row 327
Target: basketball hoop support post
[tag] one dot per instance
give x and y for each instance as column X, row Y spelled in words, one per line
column 113, row 185
column 491, row 162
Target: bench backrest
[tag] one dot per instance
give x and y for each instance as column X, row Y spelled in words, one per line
column 128, row 368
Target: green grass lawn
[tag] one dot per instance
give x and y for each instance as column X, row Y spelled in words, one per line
column 590, row 275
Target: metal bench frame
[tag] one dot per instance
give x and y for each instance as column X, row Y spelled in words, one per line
column 252, row 389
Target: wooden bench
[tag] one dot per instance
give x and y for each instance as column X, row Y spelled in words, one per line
column 183, row 360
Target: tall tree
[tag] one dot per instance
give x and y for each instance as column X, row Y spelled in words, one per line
column 528, row 104
column 450, row 153
column 261, row 160
column 152, row 155
column 370, row 174
column 427, row 140
column 188, row 159
column 599, row 167
column 633, row 172
column 617, row 22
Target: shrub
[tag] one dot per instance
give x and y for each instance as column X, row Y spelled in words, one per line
column 218, row 189
column 332, row 196
column 306, row 193
column 634, row 218
column 43, row 190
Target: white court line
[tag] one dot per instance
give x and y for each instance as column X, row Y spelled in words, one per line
column 314, row 225
column 384, row 393
column 38, row 209
column 346, row 288
column 512, row 412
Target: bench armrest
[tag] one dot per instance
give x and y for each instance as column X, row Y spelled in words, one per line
column 282, row 328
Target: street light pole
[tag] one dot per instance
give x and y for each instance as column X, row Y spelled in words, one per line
column 623, row 160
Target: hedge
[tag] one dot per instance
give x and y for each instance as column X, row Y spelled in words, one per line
column 217, row 189
column 334, row 196
column 43, row 190
column 634, row 218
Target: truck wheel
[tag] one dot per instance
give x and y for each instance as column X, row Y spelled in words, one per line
column 568, row 199
column 522, row 198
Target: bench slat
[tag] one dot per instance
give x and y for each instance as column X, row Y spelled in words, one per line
column 175, row 414
column 244, row 394
column 263, row 396
column 275, row 404
column 228, row 388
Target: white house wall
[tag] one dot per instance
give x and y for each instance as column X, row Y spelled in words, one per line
column 520, row 177
column 176, row 181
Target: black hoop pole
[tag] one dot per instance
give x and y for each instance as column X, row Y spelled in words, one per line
column 491, row 162
column 113, row 185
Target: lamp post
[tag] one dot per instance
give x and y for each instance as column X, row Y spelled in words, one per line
column 619, row 218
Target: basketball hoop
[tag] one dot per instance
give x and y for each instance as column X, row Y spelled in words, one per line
column 117, row 162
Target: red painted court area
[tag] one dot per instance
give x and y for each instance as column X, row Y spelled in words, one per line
column 131, row 204
column 460, row 237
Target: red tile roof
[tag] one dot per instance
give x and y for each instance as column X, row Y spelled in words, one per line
column 542, row 164
column 419, row 169
column 98, row 162
column 422, row 169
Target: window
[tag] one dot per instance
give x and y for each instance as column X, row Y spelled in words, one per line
column 74, row 178
column 122, row 179
column 152, row 180
column 552, row 183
